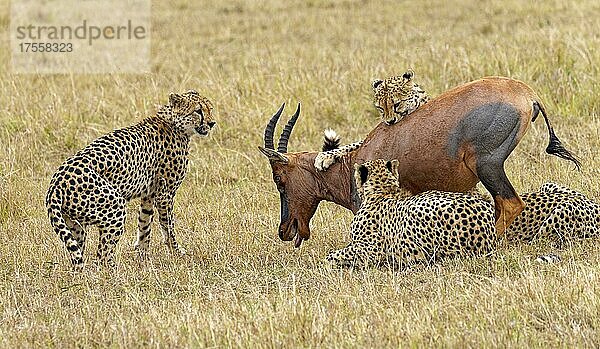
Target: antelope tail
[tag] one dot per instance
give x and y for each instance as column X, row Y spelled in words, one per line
column 331, row 140
column 555, row 146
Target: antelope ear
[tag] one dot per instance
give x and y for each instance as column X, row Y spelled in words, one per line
column 392, row 166
column 274, row 156
column 408, row 74
column 361, row 174
column 376, row 83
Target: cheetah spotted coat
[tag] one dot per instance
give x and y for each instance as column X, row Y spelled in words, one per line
column 148, row 160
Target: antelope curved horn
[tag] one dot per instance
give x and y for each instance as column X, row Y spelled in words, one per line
column 271, row 128
column 287, row 130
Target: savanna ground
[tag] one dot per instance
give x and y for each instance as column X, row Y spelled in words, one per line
column 240, row 286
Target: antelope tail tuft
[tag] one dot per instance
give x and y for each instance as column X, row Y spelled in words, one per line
column 555, row 146
column 331, row 140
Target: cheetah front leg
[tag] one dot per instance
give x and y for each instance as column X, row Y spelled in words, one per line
column 144, row 226
column 356, row 254
column 342, row 257
column 165, row 211
column 324, row 160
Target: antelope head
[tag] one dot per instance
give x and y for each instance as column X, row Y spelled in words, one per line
column 294, row 176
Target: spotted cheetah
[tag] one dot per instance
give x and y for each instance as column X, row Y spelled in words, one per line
column 394, row 98
column 397, row 96
column 394, row 228
column 148, row 160
column 556, row 213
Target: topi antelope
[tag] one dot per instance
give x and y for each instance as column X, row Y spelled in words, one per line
column 459, row 138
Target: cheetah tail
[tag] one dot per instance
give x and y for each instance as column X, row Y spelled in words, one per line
column 54, row 204
column 555, row 147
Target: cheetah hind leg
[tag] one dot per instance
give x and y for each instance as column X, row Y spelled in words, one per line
column 111, row 230
column 557, row 227
column 109, row 236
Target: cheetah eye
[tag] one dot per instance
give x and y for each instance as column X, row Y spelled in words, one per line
column 379, row 108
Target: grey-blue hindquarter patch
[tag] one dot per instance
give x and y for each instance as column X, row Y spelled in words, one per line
column 491, row 129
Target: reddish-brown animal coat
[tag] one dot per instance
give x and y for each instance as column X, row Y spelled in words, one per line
column 419, row 141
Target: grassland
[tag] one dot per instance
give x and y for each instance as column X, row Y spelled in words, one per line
column 242, row 287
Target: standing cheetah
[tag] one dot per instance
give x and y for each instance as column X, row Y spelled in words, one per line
column 393, row 227
column 148, row 160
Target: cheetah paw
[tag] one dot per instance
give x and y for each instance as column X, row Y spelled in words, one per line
column 324, row 161
column 548, row 259
column 77, row 268
column 180, row 251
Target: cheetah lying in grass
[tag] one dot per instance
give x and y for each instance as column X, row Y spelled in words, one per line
column 556, row 213
column 393, row 227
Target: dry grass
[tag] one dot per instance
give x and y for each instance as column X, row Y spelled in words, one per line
column 242, row 287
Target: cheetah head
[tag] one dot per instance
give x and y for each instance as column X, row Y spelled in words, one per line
column 376, row 177
column 397, row 96
column 191, row 113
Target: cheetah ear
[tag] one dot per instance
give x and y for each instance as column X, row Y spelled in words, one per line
column 408, row 74
column 179, row 104
column 376, row 83
column 175, row 99
column 392, row 166
column 361, row 174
